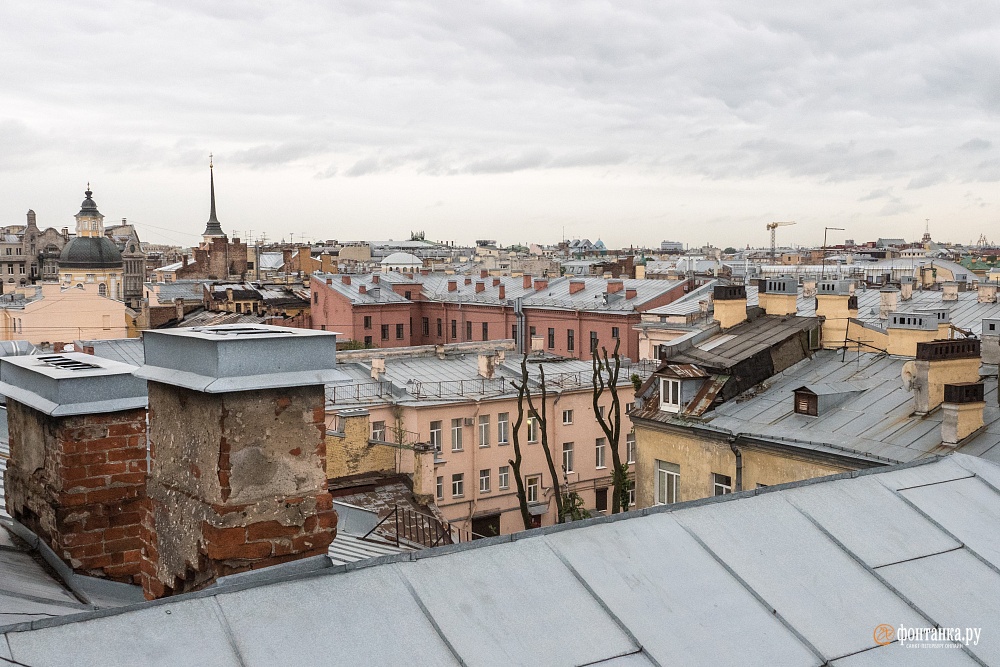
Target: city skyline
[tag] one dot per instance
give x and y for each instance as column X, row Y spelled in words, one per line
column 521, row 123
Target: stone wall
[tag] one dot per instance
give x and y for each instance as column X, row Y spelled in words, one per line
column 353, row 453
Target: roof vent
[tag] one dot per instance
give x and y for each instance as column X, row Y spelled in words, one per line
column 67, row 364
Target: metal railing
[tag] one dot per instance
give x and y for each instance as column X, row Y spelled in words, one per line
column 352, row 393
column 407, row 527
column 497, row 385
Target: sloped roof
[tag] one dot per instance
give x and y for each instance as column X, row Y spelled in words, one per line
column 798, row 574
column 744, row 340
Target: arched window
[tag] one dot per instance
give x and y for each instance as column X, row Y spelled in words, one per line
column 102, row 289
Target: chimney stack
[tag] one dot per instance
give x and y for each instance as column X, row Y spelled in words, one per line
column 949, row 291
column 730, row 305
column 496, row 282
column 942, row 362
column 779, row 296
column 503, row 292
column 906, row 288
column 541, row 283
column 987, row 293
column 452, row 285
column 77, row 470
column 468, row 280
column 483, row 273
column 888, row 302
column 961, row 411
column 237, row 430
column 809, row 287
column 362, row 289
column 487, row 365
column 375, row 279
column 378, row 368
column 345, row 279
column 991, row 341
column 526, row 280
column 576, row 286
column 835, row 303
column 630, row 292
column 424, row 482
column 480, row 286
column 615, row 285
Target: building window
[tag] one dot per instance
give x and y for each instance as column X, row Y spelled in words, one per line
column 503, row 428
column 513, row 332
column 503, row 477
column 484, row 481
column 439, row 327
column 806, row 403
column 456, row 435
column 670, row 395
column 378, row 431
column 315, row 297
column 600, row 411
column 399, row 332
column 614, row 332
column 20, row 269
column 630, row 490
column 567, row 416
column 600, row 447
column 570, row 343
column 721, row 484
column 102, row 289
column 407, row 294
column 593, row 341
column 532, row 429
column 368, row 341
column 458, row 485
column 668, row 477
column 484, row 430
column 385, row 332
column 468, row 331
column 454, row 329
column 368, row 321
column 532, row 486
column 601, row 499
column 630, row 446
column 486, row 330
column 567, row 457
column 425, row 326
column 440, row 488
column 436, row 435
column 9, row 251
column 552, row 338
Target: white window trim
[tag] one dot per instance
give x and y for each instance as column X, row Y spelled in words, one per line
column 670, row 395
column 668, row 481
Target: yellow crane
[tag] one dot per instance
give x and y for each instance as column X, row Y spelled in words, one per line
column 771, row 227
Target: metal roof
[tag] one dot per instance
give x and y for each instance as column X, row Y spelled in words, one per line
column 745, row 340
column 876, row 417
column 237, row 357
column 124, row 350
column 71, row 384
column 798, row 574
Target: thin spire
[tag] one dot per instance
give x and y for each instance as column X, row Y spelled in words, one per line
column 213, row 228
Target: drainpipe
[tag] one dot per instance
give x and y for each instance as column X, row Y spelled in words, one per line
column 739, row 462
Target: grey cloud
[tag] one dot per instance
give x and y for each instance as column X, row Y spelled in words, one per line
column 926, row 180
column 976, row 145
column 881, row 193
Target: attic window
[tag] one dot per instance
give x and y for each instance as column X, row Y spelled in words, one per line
column 806, row 403
column 670, row 395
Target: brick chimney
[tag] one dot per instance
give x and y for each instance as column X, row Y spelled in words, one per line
column 576, row 286
column 483, row 273
column 238, row 454
column 496, row 282
column 949, row 291
column 991, row 341
column 835, row 302
column 424, row 482
column 362, row 289
column 942, row 362
column 378, row 367
column 961, row 411
column 375, row 279
column 179, row 309
column 77, row 470
column 730, row 305
column 541, row 283
column 329, row 281
column 468, row 280
column 630, row 292
column 487, row 365
column 905, row 288
column 809, row 287
column 615, row 285
column 888, row 302
column 526, row 281
column 987, row 293
column 452, row 285
column 503, row 293
column 345, row 279
column 480, row 286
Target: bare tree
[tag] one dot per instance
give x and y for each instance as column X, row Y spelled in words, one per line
column 605, row 378
column 541, row 420
column 515, row 463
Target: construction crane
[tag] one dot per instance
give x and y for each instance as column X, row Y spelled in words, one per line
column 771, row 227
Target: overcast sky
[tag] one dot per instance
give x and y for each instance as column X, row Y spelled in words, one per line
column 629, row 121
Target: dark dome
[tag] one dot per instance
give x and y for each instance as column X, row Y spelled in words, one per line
column 89, row 206
column 91, row 252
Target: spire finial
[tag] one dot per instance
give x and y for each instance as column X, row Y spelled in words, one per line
column 210, row 161
column 213, row 228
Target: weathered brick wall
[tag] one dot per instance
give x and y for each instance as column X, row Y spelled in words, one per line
column 79, row 483
column 353, row 454
column 238, row 482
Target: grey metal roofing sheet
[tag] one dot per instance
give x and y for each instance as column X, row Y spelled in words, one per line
column 897, row 655
column 125, row 350
column 614, row 590
column 956, row 590
column 667, row 593
column 831, row 605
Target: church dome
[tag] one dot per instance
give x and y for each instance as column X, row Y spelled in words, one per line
column 91, row 252
column 89, row 206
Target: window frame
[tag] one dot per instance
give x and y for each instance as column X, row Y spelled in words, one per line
column 484, row 488
column 503, row 478
column 666, row 483
column 484, row 430
column 667, row 398
column 378, row 431
column 567, row 457
column 567, row 417
column 532, row 488
column 436, row 434
column 721, row 484
column 456, row 434
column 503, row 428
column 600, row 453
column 458, row 485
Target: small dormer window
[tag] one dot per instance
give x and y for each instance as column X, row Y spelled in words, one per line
column 670, row 395
column 806, row 403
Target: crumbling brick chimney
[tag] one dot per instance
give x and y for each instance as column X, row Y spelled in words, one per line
column 77, row 470
column 238, row 467
column 888, row 302
column 541, row 283
column 424, row 482
column 480, row 286
column 942, row 362
column 526, row 281
column 905, row 288
column 345, row 279
column 961, row 411
column 949, row 291
column 987, row 293
column 576, row 286
column 991, row 341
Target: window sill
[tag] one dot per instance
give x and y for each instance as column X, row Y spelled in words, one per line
column 599, row 468
column 484, row 446
column 461, row 496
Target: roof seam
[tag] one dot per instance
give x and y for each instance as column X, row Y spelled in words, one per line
column 430, row 617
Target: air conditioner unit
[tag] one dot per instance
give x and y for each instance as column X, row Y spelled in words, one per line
column 467, row 421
